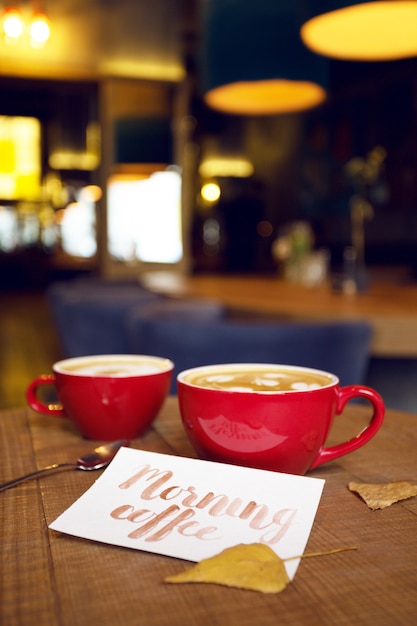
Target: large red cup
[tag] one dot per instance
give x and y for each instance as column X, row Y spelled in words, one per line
column 278, row 430
column 107, row 397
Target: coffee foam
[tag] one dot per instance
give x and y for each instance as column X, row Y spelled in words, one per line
column 258, row 378
column 112, row 367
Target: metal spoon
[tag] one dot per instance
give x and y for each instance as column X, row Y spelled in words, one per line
column 98, row 458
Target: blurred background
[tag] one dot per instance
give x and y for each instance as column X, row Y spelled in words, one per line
column 109, row 115
column 115, row 159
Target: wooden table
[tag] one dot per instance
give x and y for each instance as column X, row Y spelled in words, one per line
column 390, row 307
column 47, row 578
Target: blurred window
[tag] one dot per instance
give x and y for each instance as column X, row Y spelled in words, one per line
column 78, row 228
column 8, row 229
column 144, row 218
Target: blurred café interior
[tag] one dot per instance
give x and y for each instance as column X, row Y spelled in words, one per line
column 126, row 159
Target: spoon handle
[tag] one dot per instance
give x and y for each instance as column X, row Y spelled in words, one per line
column 45, row 470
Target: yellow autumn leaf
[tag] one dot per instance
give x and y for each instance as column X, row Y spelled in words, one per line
column 253, row 566
column 245, row 566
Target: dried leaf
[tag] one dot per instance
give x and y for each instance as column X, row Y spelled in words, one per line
column 245, row 566
column 252, row 566
column 383, row 495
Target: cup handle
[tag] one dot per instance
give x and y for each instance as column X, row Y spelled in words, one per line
column 36, row 404
column 345, row 394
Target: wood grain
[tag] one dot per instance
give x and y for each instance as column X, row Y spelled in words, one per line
column 50, row 578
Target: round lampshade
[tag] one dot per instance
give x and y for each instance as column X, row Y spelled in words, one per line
column 252, row 60
column 363, row 31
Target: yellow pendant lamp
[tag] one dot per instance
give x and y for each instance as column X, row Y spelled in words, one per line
column 381, row 30
column 252, row 60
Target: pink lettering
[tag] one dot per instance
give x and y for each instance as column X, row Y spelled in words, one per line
column 283, row 519
column 149, row 473
column 156, row 526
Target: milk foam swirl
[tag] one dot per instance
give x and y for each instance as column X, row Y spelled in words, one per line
column 261, row 379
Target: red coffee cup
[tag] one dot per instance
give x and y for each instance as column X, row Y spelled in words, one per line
column 274, row 417
column 107, row 397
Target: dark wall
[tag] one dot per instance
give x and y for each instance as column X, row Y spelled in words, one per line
column 301, row 160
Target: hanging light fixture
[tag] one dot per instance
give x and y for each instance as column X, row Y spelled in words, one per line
column 362, row 31
column 39, row 30
column 18, row 24
column 13, row 25
column 252, row 59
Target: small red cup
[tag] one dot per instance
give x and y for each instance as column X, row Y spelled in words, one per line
column 107, row 397
column 279, row 430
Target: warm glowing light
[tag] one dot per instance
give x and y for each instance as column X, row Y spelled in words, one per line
column 91, row 193
column 67, row 160
column 88, row 160
column 12, row 25
column 20, row 158
column 265, row 97
column 370, row 31
column 78, row 229
column 210, row 192
column 144, row 218
column 39, row 30
column 225, row 166
column 143, row 68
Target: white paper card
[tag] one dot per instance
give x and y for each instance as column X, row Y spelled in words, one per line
column 193, row 509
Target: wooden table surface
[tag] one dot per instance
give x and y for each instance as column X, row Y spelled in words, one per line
column 48, row 578
column 390, row 307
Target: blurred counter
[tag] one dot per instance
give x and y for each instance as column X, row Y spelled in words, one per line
column 390, row 307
